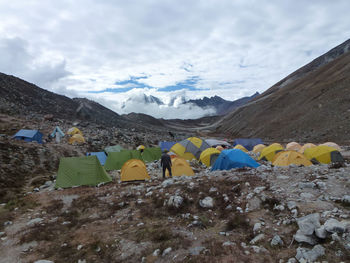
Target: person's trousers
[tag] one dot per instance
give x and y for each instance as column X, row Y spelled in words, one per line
column 169, row 170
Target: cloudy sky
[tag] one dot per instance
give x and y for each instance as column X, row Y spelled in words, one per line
column 115, row 51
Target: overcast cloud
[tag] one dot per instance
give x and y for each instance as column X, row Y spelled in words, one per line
column 116, row 51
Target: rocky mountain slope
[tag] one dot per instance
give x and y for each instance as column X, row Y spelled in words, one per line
column 18, row 97
column 311, row 104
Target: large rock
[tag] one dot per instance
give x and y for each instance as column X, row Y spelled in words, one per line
column 321, row 232
column 207, row 202
column 310, row 255
column 332, row 225
column 301, row 237
column 309, row 223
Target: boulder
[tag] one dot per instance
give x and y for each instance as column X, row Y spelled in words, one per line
column 332, row 225
column 309, row 223
column 301, row 237
column 309, row 255
column 321, row 232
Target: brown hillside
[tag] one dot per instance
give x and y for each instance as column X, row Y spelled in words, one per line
column 310, row 105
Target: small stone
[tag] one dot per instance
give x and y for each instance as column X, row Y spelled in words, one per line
column 276, row 241
column 206, row 202
column 167, row 251
column 307, row 196
column 2, row 234
column 257, row 227
column 195, row 251
column 257, row 239
column 43, row 261
column 258, row 249
column 140, row 224
column 228, row 244
column 292, row 260
column 156, row 252
column 278, row 207
column 79, row 247
column 335, row 237
column 213, row 189
column 346, row 199
column 175, row 201
column 291, row 205
column 34, row 221
column 259, row 189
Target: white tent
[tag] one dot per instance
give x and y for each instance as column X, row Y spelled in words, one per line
column 214, row 143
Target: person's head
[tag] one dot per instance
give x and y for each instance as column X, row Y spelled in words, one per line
column 165, row 151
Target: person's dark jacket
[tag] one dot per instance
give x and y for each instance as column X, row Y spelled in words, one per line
column 165, row 161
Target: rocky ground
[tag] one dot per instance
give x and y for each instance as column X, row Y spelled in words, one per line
column 268, row 214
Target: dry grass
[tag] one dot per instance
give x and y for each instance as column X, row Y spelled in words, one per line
column 237, row 221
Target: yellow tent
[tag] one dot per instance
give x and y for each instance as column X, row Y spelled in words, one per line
column 180, row 167
column 323, row 154
column 209, row 156
column 293, row 146
column 306, row 146
column 74, row 130
column 140, row 147
column 258, row 148
column 219, row 148
column 240, row 147
column 269, row 152
column 286, row 158
column 134, row 170
column 76, row 138
column 333, row 145
column 191, row 148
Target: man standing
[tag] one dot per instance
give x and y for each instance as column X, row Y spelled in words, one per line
column 165, row 162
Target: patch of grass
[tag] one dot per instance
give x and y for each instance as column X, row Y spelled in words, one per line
column 270, row 203
column 21, row 203
column 155, row 233
column 238, row 221
column 55, row 207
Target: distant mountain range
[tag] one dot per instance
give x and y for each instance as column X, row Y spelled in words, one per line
column 220, row 105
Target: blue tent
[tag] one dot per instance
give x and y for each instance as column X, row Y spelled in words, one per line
column 29, row 136
column 101, row 156
column 166, row 145
column 248, row 143
column 57, row 130
column 233, row 158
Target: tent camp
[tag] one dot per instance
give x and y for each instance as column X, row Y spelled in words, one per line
column 269, row 152
column 214, row 143
column 57, row 133
column 116, row 160
column 209, row 156
column 134, row 170
column 306, row 146
column 151, row 154
column 140, row 147
column 74, row 130
column 166, row 145
column 240, row 147
column 332, row 144
column 191, row 148
column 114, row 148
column 233, row 158
column 323, row 154
column 76, row 171
column 76, row 139
column 248, row 143
column 29, row 135
column 179, row 167
column 286, row 158
column 101, row 156
column 293, row 146
column 258, row 148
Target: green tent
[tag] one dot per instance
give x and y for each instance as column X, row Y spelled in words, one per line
column 115, row 160
column 151, row 154
column 115, row 148
column 76, row 171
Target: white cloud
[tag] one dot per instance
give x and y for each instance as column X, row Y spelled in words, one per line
column 234, row 47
